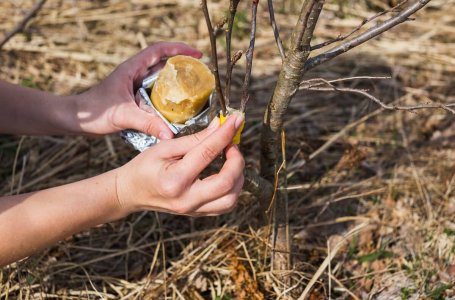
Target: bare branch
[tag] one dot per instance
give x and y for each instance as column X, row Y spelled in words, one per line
column 314, row 82
column 229, row 63
column 214, row 56
column 311, row 24
column 367, row 35
column 229, row 69
column 356, row 29
column 446, row 107
column 249, row 57
column 21, row 25
column 276, row 31
column 300, row 27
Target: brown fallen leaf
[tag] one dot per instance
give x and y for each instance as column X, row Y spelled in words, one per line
column 246, row 288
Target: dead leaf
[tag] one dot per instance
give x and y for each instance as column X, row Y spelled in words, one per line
column 246, row 288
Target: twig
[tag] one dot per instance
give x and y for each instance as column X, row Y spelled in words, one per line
column 21, row 25
column 230, row 68
column 446, row 107
column 367, row 35
column 321, row 81
column 276, row 31
column 214, row 56
column 229, row 62
column 234, row 60
column 356, row 29
column 249, row 57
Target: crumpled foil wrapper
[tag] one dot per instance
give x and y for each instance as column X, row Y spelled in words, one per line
column 141, row 141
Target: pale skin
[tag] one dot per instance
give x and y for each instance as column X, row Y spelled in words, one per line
column 164, row 178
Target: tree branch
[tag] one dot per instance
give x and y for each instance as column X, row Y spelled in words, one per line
column 367, row 35
column 214, row 56
column 276, row 31
column 357, row 28
column 21, row 25
column 301, row 25
column 446, row 107
column 249, row 57
column 229, row 62
column 311, row 25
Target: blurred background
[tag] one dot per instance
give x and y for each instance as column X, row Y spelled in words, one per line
column 350, row 163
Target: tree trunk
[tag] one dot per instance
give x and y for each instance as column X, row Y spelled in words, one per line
column 291, row 75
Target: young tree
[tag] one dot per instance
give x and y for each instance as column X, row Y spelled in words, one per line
column 296, row 61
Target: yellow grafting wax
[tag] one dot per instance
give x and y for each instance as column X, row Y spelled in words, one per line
column 236, row 138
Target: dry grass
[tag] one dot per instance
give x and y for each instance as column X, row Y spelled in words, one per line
column 371, row 215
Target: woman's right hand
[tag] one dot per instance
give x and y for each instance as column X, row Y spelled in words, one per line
column 166, row 177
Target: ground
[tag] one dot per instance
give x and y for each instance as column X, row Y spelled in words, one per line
column 371, row 192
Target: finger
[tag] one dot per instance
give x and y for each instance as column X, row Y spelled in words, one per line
column 182, row 145
column 146, row 122
column 153, row 54
column 221, row 184
column 222, row 205
column 197, row 159
column 158, row 66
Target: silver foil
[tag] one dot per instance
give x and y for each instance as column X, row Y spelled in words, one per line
column 141, row 141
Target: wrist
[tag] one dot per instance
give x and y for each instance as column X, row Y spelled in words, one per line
column 115, row 206
column 69, row 114
column 123, row 200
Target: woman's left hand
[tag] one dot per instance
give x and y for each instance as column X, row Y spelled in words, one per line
column 110, row 106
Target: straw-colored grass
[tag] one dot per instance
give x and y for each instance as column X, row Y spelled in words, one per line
column 371, row 192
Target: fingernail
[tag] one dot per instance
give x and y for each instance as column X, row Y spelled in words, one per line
column 214, row 124
column 165, row 135
column 238, row 121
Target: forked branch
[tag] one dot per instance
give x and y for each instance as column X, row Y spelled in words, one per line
column 367, row 35
column 214, row 57
column 289, row 80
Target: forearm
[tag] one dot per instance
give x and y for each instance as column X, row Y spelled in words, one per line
column 33, row 112
column 33, row 221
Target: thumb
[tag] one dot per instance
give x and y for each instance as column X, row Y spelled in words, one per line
column 147, row 122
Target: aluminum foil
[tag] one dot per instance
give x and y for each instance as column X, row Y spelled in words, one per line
column 141, row 141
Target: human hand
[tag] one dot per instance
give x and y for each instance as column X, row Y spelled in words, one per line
column 110, row 106
column 166, row 177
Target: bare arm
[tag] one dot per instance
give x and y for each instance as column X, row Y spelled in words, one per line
column 29, row 111
column 32, row 221
column 105, row 108
column 164, row 178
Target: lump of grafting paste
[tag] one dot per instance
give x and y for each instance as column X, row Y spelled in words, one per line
column 182, row 88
